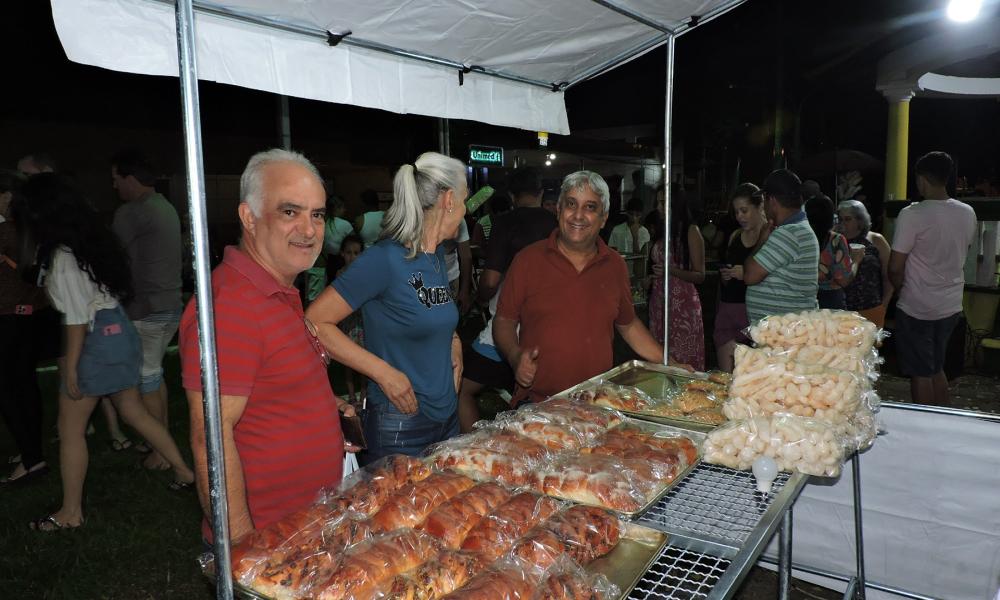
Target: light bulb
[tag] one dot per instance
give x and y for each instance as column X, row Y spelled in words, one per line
column 765, row 470
column 552, row 156
column 548, row 162
column 963, row 10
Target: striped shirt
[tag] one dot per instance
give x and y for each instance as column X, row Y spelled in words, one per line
column 289, row 437
column 791, row 258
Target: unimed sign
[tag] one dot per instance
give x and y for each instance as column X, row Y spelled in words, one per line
column 486, row 156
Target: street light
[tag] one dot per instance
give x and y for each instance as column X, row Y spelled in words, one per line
column 963, row 10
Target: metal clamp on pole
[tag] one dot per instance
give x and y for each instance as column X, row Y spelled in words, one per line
column 184, row 10
column 335, row 38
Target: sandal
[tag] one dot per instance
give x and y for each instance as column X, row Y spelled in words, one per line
column 53, row 525
column 177, row 486
column 28, row 476
column 13, row 460
column 122, row 445
column 142, row 466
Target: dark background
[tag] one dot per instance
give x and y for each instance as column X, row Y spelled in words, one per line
column 814, row 61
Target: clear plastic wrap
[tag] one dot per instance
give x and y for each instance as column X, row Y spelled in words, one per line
column 507, row 579
column 824, row 327
column 249, row 553
column 495, row 533
column 454, row 518
column 586, row 420
column 491, row 454
column 437, row 576
column 582, row 533
column 795, row 443
column 414, row 501
column 858, row 360
column 566, row 580
column 609, row 481
column 293, row 570
column 540, row 428
column 372, row 562
column 614, row 396
column 366, row 489
column 766, row 384
column 670, row 452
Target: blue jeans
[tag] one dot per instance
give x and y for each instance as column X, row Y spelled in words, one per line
column 388, row 431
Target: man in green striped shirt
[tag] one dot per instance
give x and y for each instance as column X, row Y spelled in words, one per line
column 782, row 271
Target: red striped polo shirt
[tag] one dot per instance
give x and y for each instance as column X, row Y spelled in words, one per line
column 289, row 437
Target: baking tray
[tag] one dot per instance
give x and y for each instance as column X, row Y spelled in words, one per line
column 698, row 437
column 624, row 566
column 657, row 381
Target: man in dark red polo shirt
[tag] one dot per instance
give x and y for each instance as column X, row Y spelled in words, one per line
column 568, row 293
column 280, row 427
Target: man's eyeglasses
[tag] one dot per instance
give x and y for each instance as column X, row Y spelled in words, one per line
column 317, row 345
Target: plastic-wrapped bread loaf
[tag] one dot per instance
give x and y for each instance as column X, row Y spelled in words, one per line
column 795, row 443
column 453, row 519
column 366, row 489
column 413, row 502
column 832, row 328
column 438, row 576
column 584, row 533
column 496, row 532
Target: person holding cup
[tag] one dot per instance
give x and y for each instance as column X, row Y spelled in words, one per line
column 836, row 258
column 871, row 290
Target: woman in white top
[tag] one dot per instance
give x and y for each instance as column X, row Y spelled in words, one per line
column 88, row 276
column 369, row 225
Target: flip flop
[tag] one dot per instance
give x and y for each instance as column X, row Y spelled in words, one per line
column 13, row 460
column 28, row 477
column 37, row 525
column 177, row 486
column 122, row 445
column 141, row 465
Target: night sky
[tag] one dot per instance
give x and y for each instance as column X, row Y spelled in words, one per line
column 823, row 53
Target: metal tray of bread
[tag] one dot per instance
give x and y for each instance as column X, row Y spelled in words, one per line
column 655, row 380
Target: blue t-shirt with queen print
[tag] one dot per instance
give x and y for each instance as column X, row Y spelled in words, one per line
column 409, row 318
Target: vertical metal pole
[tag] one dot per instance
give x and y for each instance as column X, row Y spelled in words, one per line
column 859, row 540
column 668, row 177
column 284, row 122
column 206, row 314
column 785, row 556
column 447, row 137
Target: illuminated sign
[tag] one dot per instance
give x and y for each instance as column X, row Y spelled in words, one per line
column 486, row 156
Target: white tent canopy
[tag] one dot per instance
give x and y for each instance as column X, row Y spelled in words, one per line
column 403, row 57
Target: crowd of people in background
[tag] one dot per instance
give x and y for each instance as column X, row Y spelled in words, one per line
column 553, row 273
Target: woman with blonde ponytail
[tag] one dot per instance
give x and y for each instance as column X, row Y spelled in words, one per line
column 412, row 354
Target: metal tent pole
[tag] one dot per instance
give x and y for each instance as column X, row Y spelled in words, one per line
column 859, row 540
column 206, row 315
column 668, row 177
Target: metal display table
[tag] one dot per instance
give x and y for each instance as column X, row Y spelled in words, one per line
column 718, row 525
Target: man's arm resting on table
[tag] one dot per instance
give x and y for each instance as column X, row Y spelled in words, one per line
column 639, row 339
column 897, row 268
column 240, row 521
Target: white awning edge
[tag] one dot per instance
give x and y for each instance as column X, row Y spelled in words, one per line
column 93, row 31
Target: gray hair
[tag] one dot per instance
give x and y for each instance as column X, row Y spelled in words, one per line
column 859, row 212
column 592, row 180
column 416, row 189
column 252, row 180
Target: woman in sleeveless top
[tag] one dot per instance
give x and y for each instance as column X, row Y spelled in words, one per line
column 731, row 319
column 871, row 291
column 369, row 225
column 687, row 267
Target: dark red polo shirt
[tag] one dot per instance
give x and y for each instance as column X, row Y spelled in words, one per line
column 289, row 437
column 569, row 316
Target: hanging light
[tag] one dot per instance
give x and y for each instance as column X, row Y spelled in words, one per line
column 548, row 163
column 963, row 10
column 552, row 157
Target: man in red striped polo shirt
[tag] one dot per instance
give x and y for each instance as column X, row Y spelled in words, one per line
column 280, row 428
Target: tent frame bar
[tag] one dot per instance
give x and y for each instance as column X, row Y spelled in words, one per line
column 631, row 14
column 655, row 42
column 191, row 111
column 348, row 39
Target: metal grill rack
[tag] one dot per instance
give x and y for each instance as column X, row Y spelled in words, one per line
column 718, row 525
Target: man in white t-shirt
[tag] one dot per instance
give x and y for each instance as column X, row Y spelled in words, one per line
column 929, row 247
column 630, row 237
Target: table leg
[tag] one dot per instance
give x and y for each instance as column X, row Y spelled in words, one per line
column 785, row 556
column 859, row 541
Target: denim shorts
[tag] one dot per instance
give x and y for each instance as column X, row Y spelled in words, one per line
column 111, row 359
column 155, row 333
column 920, row 344
column 388, row 431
